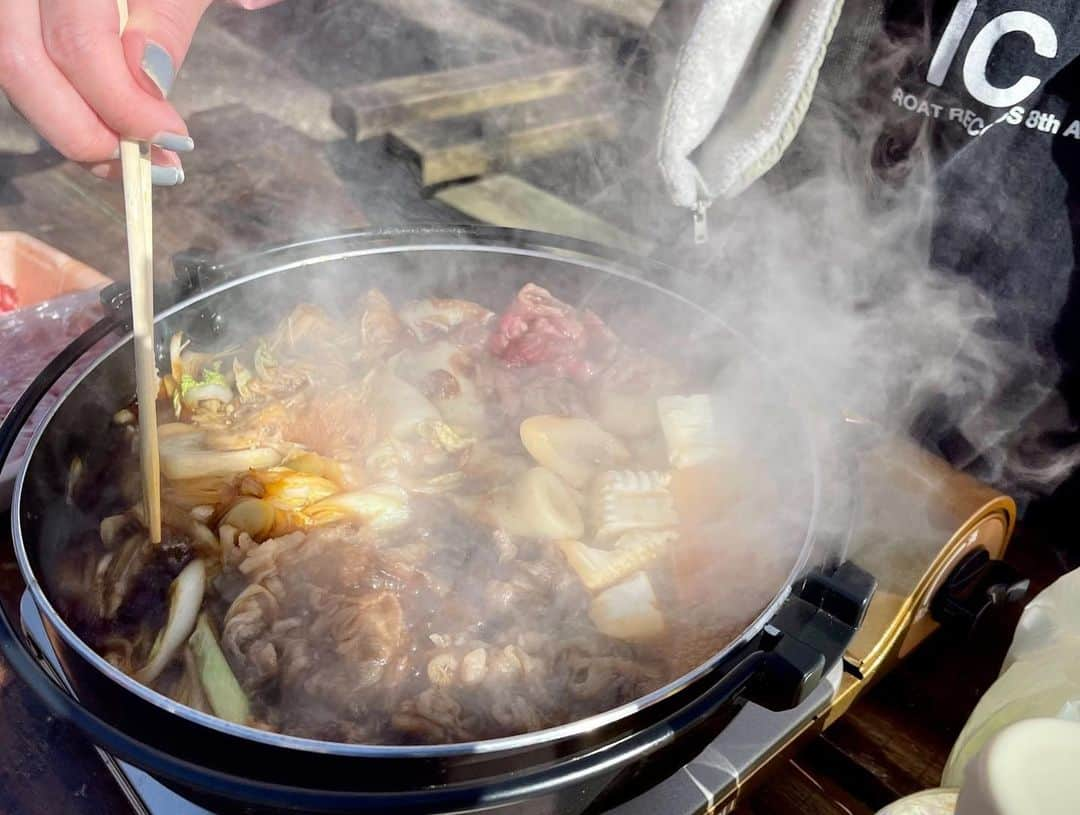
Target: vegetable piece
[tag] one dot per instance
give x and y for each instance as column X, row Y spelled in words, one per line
column 203, row 540
column 185, row 598
column 202, row 513
column 689, row 429
column 573, row 448
column 399, row 407
column 627, row 414
column 187, row 493
column 290, row 490
column 253, row 515
column 628, row 611
column 188, row 690
column 445, row 374
column 171, row 430
column 223, row 692
column 706, row 492
column 538, row 505
column 188, row 464
column 115, row 529
column 118, row 571
column 176, row 348
column 429, row 318
column 380, row 328
column 600, row 568
column 183, row 455
column 242, row 378
column 264, row 362
column 444, row 436
column 627, row 500
column 440, row 483
column 211, row 385
column 327, row 468
column 380, row 506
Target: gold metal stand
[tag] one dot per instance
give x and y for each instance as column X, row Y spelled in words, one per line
column 918, row 519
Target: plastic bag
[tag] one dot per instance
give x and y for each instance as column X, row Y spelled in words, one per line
column 29, row 339
column 1040, row 676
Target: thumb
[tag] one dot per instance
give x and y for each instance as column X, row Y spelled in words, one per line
column 157, row 38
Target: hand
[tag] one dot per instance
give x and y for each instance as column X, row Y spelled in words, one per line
column 65, row 67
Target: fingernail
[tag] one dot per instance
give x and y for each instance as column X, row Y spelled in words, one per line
column 167, row 176
column 174, row 142
column 100, row 170
column 158, row 65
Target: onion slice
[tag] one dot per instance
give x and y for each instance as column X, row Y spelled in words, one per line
column 184, row 455
column 185, row 599
column 380, row 506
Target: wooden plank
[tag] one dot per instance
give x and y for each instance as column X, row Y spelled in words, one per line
column 639, row 13
column 570, row 24
column 16, row 135
column 336, row 44
column 62, row 204
column 375, row 108
column 455, row 20
column 472, row 146
column 240, row 193
column 221, row 69
column 506, row 200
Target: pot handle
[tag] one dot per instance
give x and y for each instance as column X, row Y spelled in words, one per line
column 809, row 632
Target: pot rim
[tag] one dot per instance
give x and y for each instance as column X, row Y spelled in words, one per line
column 591, row 260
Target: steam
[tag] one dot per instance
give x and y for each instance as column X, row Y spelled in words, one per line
column 825, row 266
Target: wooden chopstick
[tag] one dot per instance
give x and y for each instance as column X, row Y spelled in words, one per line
column 135, row 161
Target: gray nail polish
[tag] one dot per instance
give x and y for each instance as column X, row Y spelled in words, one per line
column 174, row 142
column 167, row 176
column 158, row 65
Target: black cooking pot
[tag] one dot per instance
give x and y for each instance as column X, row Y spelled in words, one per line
column 807, row 617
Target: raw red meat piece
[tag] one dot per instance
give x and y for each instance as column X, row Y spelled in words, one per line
column 538, row 329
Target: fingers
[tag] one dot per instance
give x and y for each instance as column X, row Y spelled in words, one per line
column 43, row 94
column 82, row 38
column 157, row 38
column 165, row 172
